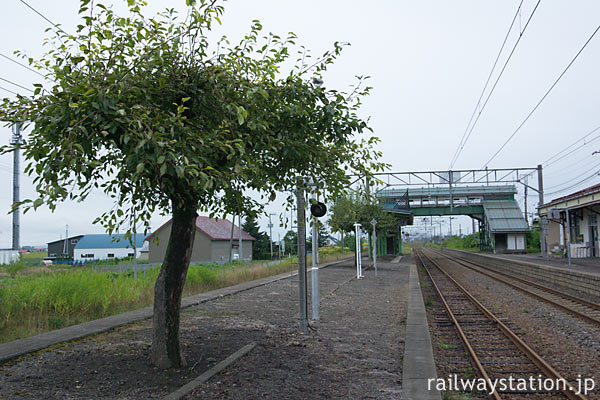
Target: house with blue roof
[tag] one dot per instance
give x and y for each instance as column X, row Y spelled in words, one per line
column 106, row 247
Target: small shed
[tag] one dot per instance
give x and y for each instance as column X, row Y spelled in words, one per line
column 506, row 226
column 106, row 247
column 63, row 248
column 210, row 244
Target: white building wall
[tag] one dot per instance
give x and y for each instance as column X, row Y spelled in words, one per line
column 515, row 242
column 9, row 256
column 102, row 254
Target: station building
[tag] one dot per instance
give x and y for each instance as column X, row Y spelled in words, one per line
column 572, row 221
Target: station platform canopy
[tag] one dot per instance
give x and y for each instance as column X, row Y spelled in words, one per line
column 504, row 216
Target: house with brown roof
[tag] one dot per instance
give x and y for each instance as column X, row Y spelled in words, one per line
column 212, row 241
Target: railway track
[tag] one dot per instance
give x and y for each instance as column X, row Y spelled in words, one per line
column 495, row 350
column 581, row 308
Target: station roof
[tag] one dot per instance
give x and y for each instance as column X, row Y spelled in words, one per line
column 581, row 198
column 504, row 216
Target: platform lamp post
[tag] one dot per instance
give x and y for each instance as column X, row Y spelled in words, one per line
column 316, row 298
column 318, row 210
column 374, row 222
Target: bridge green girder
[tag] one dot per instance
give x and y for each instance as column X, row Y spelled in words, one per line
column 445, row 210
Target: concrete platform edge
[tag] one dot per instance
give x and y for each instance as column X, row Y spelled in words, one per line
column 418, row 363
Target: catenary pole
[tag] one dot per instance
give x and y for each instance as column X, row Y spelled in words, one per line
column 568, row 235
column 540, row 203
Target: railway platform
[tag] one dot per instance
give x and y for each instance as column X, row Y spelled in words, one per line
column 588, row 265
column 355, row 350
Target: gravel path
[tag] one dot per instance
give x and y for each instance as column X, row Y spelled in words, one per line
column 354, row 352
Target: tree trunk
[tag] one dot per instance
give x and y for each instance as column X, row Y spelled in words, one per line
column 166, row 349
column 342, row 243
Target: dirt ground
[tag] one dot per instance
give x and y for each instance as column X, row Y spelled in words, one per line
column 355, row 351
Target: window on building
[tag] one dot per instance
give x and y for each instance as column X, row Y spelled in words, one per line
column 88, row 255
column 130, row 254
column 111, row 255
column 73, row 241
column 576, row 236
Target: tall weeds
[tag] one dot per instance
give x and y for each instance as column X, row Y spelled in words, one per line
column 34, row 304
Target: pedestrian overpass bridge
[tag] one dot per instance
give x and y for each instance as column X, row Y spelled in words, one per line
column 487, row 196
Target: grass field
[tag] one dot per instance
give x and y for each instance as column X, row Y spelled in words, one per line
column 35, row 303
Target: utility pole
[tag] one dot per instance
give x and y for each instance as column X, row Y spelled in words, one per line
column 66, row 245
column 541, row 202
column 16, row 141
column 301, row 226
column 271, row 234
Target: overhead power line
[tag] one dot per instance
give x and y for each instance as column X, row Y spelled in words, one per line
column 590, row 177
column 16, row 84
column 543, row 97
column 486, row 85
column 8, row 90
column 42, row 15
column 21, row 64
column 574, row 150
column 487, row 99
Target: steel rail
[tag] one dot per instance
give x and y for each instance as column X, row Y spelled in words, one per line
column 478, row 268
column 460, row 331
column 569, row 391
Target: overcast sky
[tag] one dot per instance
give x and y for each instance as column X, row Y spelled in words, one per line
column 428, row 61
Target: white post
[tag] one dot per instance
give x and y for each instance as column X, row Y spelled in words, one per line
column 374, row 222
column 240, row 250
column 358, row 255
